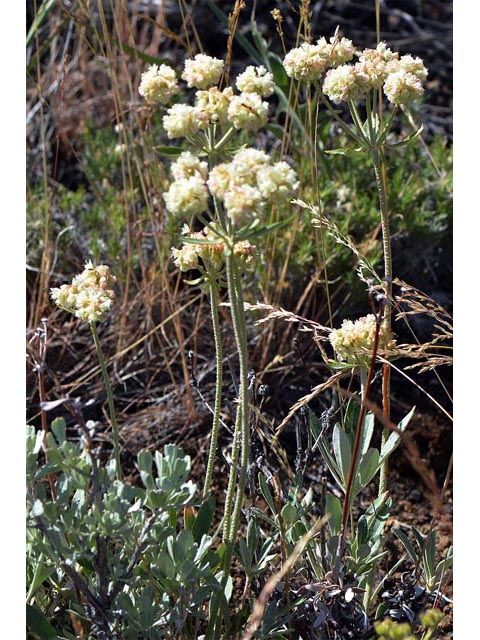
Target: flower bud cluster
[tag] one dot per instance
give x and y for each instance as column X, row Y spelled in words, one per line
column 209, row 256
column 401, row 78
column 249, row 182
column 353, row 342
column 90, row 296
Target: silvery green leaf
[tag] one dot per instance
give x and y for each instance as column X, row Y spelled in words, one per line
column 334, row 508
column 367, row 432
column 369, row 466
column 342, row 451
column 406, row 543
column 394, row 438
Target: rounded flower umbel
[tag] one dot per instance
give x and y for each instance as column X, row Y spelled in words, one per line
column 203, row 71
column 90, row 296
column 158, row 84
column 248, row 111
column 353, row 342
column 256, row 80
column 187, row 196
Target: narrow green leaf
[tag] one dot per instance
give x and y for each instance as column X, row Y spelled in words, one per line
column 342, row 451
column 406, row 543
column 169, row 151
column 42, row 13
column 266, row 492
column 367, row 432
column 394, row 438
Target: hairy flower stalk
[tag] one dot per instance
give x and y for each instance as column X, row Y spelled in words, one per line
column 90, row 297
column 218, row 387
column 380, row 177
column 111, row 405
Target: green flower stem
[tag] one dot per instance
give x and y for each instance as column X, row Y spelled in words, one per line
column 218, row 386
column 241, row 339
column 337, row 118
column 111, row 406
column 241, row 437
column 379, row 167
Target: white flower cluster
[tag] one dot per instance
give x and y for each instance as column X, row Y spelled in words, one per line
column 310, row 61
column 203, row 71
column 245, row 185
column 187, row 196
column 248, row 111
column 211, row 254
column 211, row 105
column 250, row 181
column 353, row 342
column 401, row 78
column 90, row 296
column 256, row 80
column 158, row 84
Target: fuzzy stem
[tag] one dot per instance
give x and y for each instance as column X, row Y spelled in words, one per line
column 239, row 454
column 111, row 406
column 218, row 387
column 380, row 176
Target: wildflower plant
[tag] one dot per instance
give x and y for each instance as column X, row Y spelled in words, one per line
column 337, row 79
column 90, row 297
column 227, row 187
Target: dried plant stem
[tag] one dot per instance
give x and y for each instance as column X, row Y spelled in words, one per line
column 218, row 386
column 111, row 406
column 380, row 176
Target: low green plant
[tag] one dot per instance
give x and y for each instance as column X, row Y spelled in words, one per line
column 110, row 554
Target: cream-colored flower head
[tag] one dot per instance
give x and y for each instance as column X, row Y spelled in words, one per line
column 340, row 51
column 187, row 196
column 248, row 111
column 307, row 62
column 158, row 84
column 90, row 296
column 277, row 182
column 256, row 80
column 188, row 165
column 353, row 342
column 181, row 121
column 186, row 257
column 412, row 65
column 243, row 202
column 219, row 179
column 341, row 84
column 207, row 256
column 246, row 164
column 212, row 106
column 203, row 71
column 402, row 87
column 373, row 65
